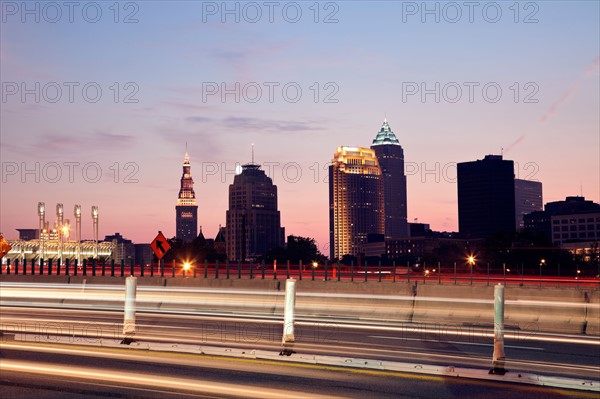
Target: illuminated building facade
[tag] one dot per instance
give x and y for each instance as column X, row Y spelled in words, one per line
column 56, row 249
column 253, row 221
column 390, row 155
column 356, row 200
column 186, row 211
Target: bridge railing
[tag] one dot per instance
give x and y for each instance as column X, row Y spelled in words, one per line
column 439, row 274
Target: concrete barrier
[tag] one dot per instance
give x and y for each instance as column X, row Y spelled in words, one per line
column 41, row 279
column 454, row 305
column 592, row 317
column 527, row 308
column 358, row 300
column 546, row 309
column 223, row 283
column 572, row 310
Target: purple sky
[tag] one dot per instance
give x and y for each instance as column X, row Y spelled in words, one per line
column 162, row 77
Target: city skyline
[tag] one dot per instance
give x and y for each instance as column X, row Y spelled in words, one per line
column 235, row 169
column 373, row 71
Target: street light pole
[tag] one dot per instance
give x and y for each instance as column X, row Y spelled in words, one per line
column 471, row 260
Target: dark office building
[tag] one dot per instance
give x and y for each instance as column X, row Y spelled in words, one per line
column 486, row 197
column 28, row 234
column 528, row 198
column 186, row 211
column 390, row 155
column 123, row 248
column 143, row 254
column 355, row 200
column 253, row 221
column 572, row 220
column 419, row 229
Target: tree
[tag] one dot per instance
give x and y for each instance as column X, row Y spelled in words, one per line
column 298, row 249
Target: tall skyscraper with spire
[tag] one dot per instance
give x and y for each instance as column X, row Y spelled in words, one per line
column 186, row 211
column 253, row 221
column 391, row 160
column 355, row 200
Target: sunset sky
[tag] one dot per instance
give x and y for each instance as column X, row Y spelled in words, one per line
column 362, row 68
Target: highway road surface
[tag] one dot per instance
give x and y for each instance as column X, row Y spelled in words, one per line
column 549, row 354
column 47, row 371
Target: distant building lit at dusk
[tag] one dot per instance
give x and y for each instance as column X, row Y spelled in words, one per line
column 390, row 155
column 356, row 200
column 253, row 220
column 186, row 211
column 573, row 223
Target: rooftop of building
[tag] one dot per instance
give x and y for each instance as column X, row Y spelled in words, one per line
column 385, row 136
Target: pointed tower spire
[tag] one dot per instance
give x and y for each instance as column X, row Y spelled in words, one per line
column 385, row 135
column 251, row 164
column 186, row 219
column 390, row 154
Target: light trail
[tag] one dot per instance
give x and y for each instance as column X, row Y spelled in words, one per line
column 456, row 342
column 338, row 323
column 152, row 380
column 74, row 291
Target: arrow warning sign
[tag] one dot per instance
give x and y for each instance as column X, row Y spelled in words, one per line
column 4, row 247
column 160, row 245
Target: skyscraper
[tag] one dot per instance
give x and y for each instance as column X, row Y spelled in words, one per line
column 186, row 211
column 391, row 160
column 486, row 197
column 355, row 200
column 528, row 198
column 253, row 221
